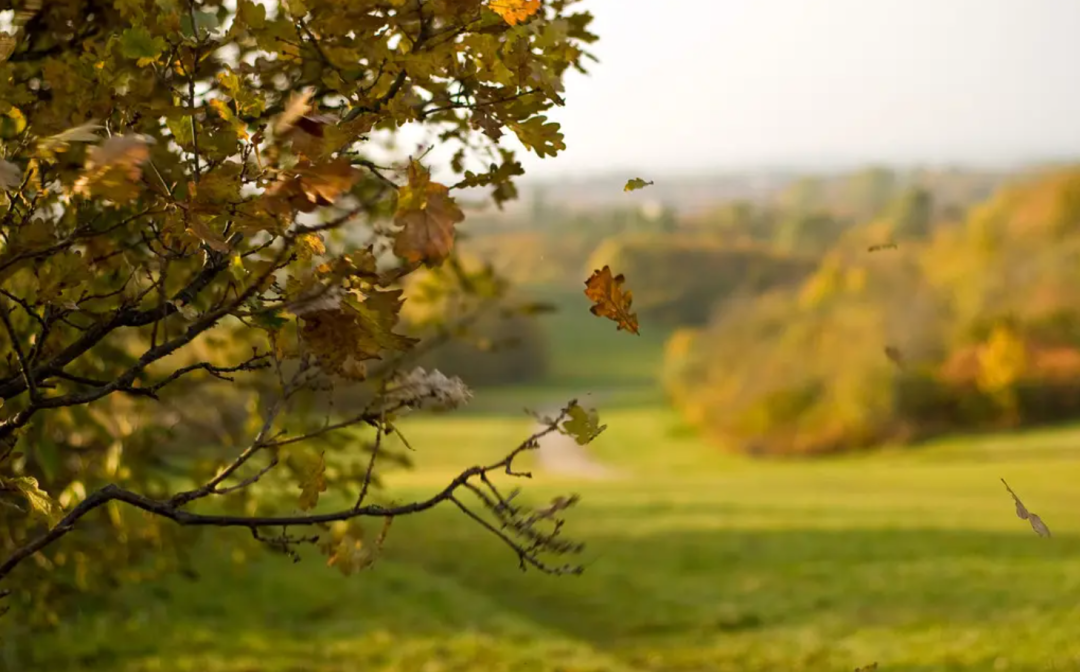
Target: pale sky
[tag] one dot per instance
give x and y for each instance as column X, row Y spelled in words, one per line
column 690, row 84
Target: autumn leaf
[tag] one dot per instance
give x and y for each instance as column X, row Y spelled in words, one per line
column 324, row 183
column 540, row 135
column 894, row 355
column 872, row 667
column 583, row 425
column 113, row 168
column 310, row 467
column 1023, row 514
column 514, row 11
column 10, row 175
column 40, row 501
column 636, row 183
column 881, row 246
column 610, row 300
column 201, row 230
column 426, row 214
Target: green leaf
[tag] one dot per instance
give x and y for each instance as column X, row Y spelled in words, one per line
column 584, row 425
column 540, row 135
column 636, row 183
column 251, row 14
column 138, row 43
column 40, row 501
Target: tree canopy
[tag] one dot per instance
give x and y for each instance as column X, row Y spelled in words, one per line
column 191, row 197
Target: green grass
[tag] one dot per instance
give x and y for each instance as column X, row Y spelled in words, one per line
column 696, row 561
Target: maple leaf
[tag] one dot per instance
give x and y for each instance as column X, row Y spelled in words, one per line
column 514, row 11
column 40, row 501
column 1023, row 514
column 113, row 168
column 610, row 300
column 583, row 425
column 636, row 183
column 427, row 215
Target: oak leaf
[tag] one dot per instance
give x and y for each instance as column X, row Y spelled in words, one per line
column 514, row 11
column 636, row 183
column 610, row 300
column 40, row 501
column 311, row 469
column 427, row 214
column 583, row 425
column 1023, row 514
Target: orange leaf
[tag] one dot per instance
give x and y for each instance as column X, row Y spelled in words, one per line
column 514, row 11
column 611, row 301
column 427, row 214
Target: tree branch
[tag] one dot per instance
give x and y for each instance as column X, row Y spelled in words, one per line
column 171, row 509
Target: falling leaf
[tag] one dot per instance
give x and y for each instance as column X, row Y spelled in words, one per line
column 881, row 246
column 610, row 300
column 584, row 425
column 636, row 183
column 298, row 105
column 427, row 214
column 514, row 11
column 40, row 501
column 1023, row 514
column 113, row 168
column 894, row 355
column 10, row 175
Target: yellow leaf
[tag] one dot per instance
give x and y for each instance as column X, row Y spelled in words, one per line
column 311, row 468
column 636, row 183
column 514, row 11
column 610, row 300
column 40, row 501
column 309, row 245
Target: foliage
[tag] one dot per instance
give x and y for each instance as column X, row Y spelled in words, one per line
column 191, row 198
column 975, row 327
column 610, row 300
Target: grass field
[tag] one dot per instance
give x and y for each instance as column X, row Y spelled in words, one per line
column 696, row 561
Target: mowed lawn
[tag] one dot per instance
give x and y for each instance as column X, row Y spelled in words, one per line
column 913, row 559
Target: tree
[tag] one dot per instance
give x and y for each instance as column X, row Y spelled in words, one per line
column 912, row 213
column 191, row 207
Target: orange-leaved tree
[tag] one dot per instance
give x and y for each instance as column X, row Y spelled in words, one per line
column 197, row 235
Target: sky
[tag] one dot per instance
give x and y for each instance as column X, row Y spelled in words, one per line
column 689, row 85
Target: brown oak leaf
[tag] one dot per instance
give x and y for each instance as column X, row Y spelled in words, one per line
column 426, row 214
column 610, row 300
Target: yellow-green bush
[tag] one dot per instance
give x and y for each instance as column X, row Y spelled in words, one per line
column 977, row 327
